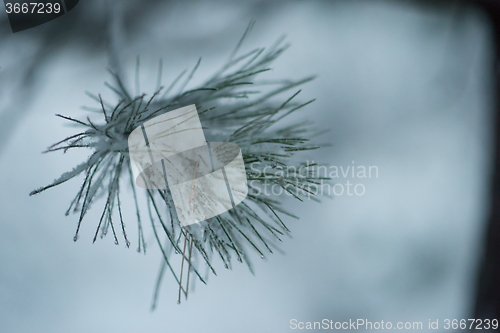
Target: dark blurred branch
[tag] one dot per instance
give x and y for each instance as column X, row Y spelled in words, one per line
column 487, row 303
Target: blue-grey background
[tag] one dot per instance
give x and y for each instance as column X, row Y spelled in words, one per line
column 404, row 86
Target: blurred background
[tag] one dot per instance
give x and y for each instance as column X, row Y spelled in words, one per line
column 406, row 86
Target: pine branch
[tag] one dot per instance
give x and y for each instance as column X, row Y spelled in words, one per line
column 229, row 112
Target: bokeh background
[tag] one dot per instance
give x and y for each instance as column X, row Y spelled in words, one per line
column 406, row 86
